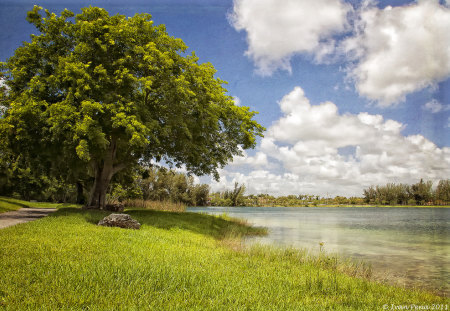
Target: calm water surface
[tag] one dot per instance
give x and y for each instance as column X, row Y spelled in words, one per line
column 409, row 245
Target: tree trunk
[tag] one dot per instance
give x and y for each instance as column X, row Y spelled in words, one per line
column 103, row 175
column 80, row 196
column 103, row 172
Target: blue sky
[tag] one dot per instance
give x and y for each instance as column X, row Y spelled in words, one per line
column 351, row 93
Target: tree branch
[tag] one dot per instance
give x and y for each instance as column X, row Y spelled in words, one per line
column 146, row 97
column 119, row 167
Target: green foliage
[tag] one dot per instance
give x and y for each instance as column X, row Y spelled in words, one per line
column 18, row 179
column 176, row 261
column 160, row 184
column 421, row 193
column 105, row 92
column 233, row 197
column 443, row 192
column 265, row 200
column 199, row 195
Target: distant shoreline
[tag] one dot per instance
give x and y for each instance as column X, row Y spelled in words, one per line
column 345, row 206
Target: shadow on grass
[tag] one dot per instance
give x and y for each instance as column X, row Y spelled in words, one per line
column 91, row 216
column 216, row 227
column 34, row 204
column 13, row 202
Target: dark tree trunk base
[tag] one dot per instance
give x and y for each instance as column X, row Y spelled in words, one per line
column 108, row 207
column 80, row 196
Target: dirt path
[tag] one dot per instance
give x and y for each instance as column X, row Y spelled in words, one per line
column 23, row 215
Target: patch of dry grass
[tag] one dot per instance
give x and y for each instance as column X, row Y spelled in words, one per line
column 156, row 205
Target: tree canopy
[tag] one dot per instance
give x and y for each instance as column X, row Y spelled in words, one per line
column 93, row 94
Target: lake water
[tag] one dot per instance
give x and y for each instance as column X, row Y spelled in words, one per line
column 408, row 245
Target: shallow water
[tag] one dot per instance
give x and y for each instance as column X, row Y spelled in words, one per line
column 408, row 246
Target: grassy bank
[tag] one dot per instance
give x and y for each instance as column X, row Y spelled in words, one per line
column 10, row 204
column 175, row 261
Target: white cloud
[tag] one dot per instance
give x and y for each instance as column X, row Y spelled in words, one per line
column 237, row 100
column 399, row 50
column 308, row 144
column 391, row 52
column 3, row 88
column 278, row 29
column 258, row 160
column 434, row 106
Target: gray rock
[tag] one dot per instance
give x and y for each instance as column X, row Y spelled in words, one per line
column 119, row 220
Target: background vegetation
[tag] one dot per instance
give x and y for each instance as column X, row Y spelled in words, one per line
column 419, row 194
column 138, row 188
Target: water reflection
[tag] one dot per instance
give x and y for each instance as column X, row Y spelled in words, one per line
column 410, row 244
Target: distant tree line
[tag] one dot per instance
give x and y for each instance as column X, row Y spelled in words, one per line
column 237, row 197
column 421, row 193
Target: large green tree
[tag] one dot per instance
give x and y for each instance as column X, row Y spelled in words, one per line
column 93, row 94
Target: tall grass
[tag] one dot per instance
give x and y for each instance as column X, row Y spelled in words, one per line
column 156, row 205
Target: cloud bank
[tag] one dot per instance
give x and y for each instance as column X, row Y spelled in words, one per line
column 314, row 149
column 389, row 53
column 399, row 50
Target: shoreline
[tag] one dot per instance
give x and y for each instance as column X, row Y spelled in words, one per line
column 333, row 205
column 298, row 238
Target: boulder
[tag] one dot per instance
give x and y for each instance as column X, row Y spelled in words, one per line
column 119, row 220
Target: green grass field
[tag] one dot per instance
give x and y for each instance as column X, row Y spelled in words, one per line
column 176, row 261
column 10, row 204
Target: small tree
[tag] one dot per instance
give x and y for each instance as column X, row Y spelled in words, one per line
column 422, row 192
column 199, row 195
column 443, row 192
column 93, row 94
column 370, row 195
column 235, row 196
